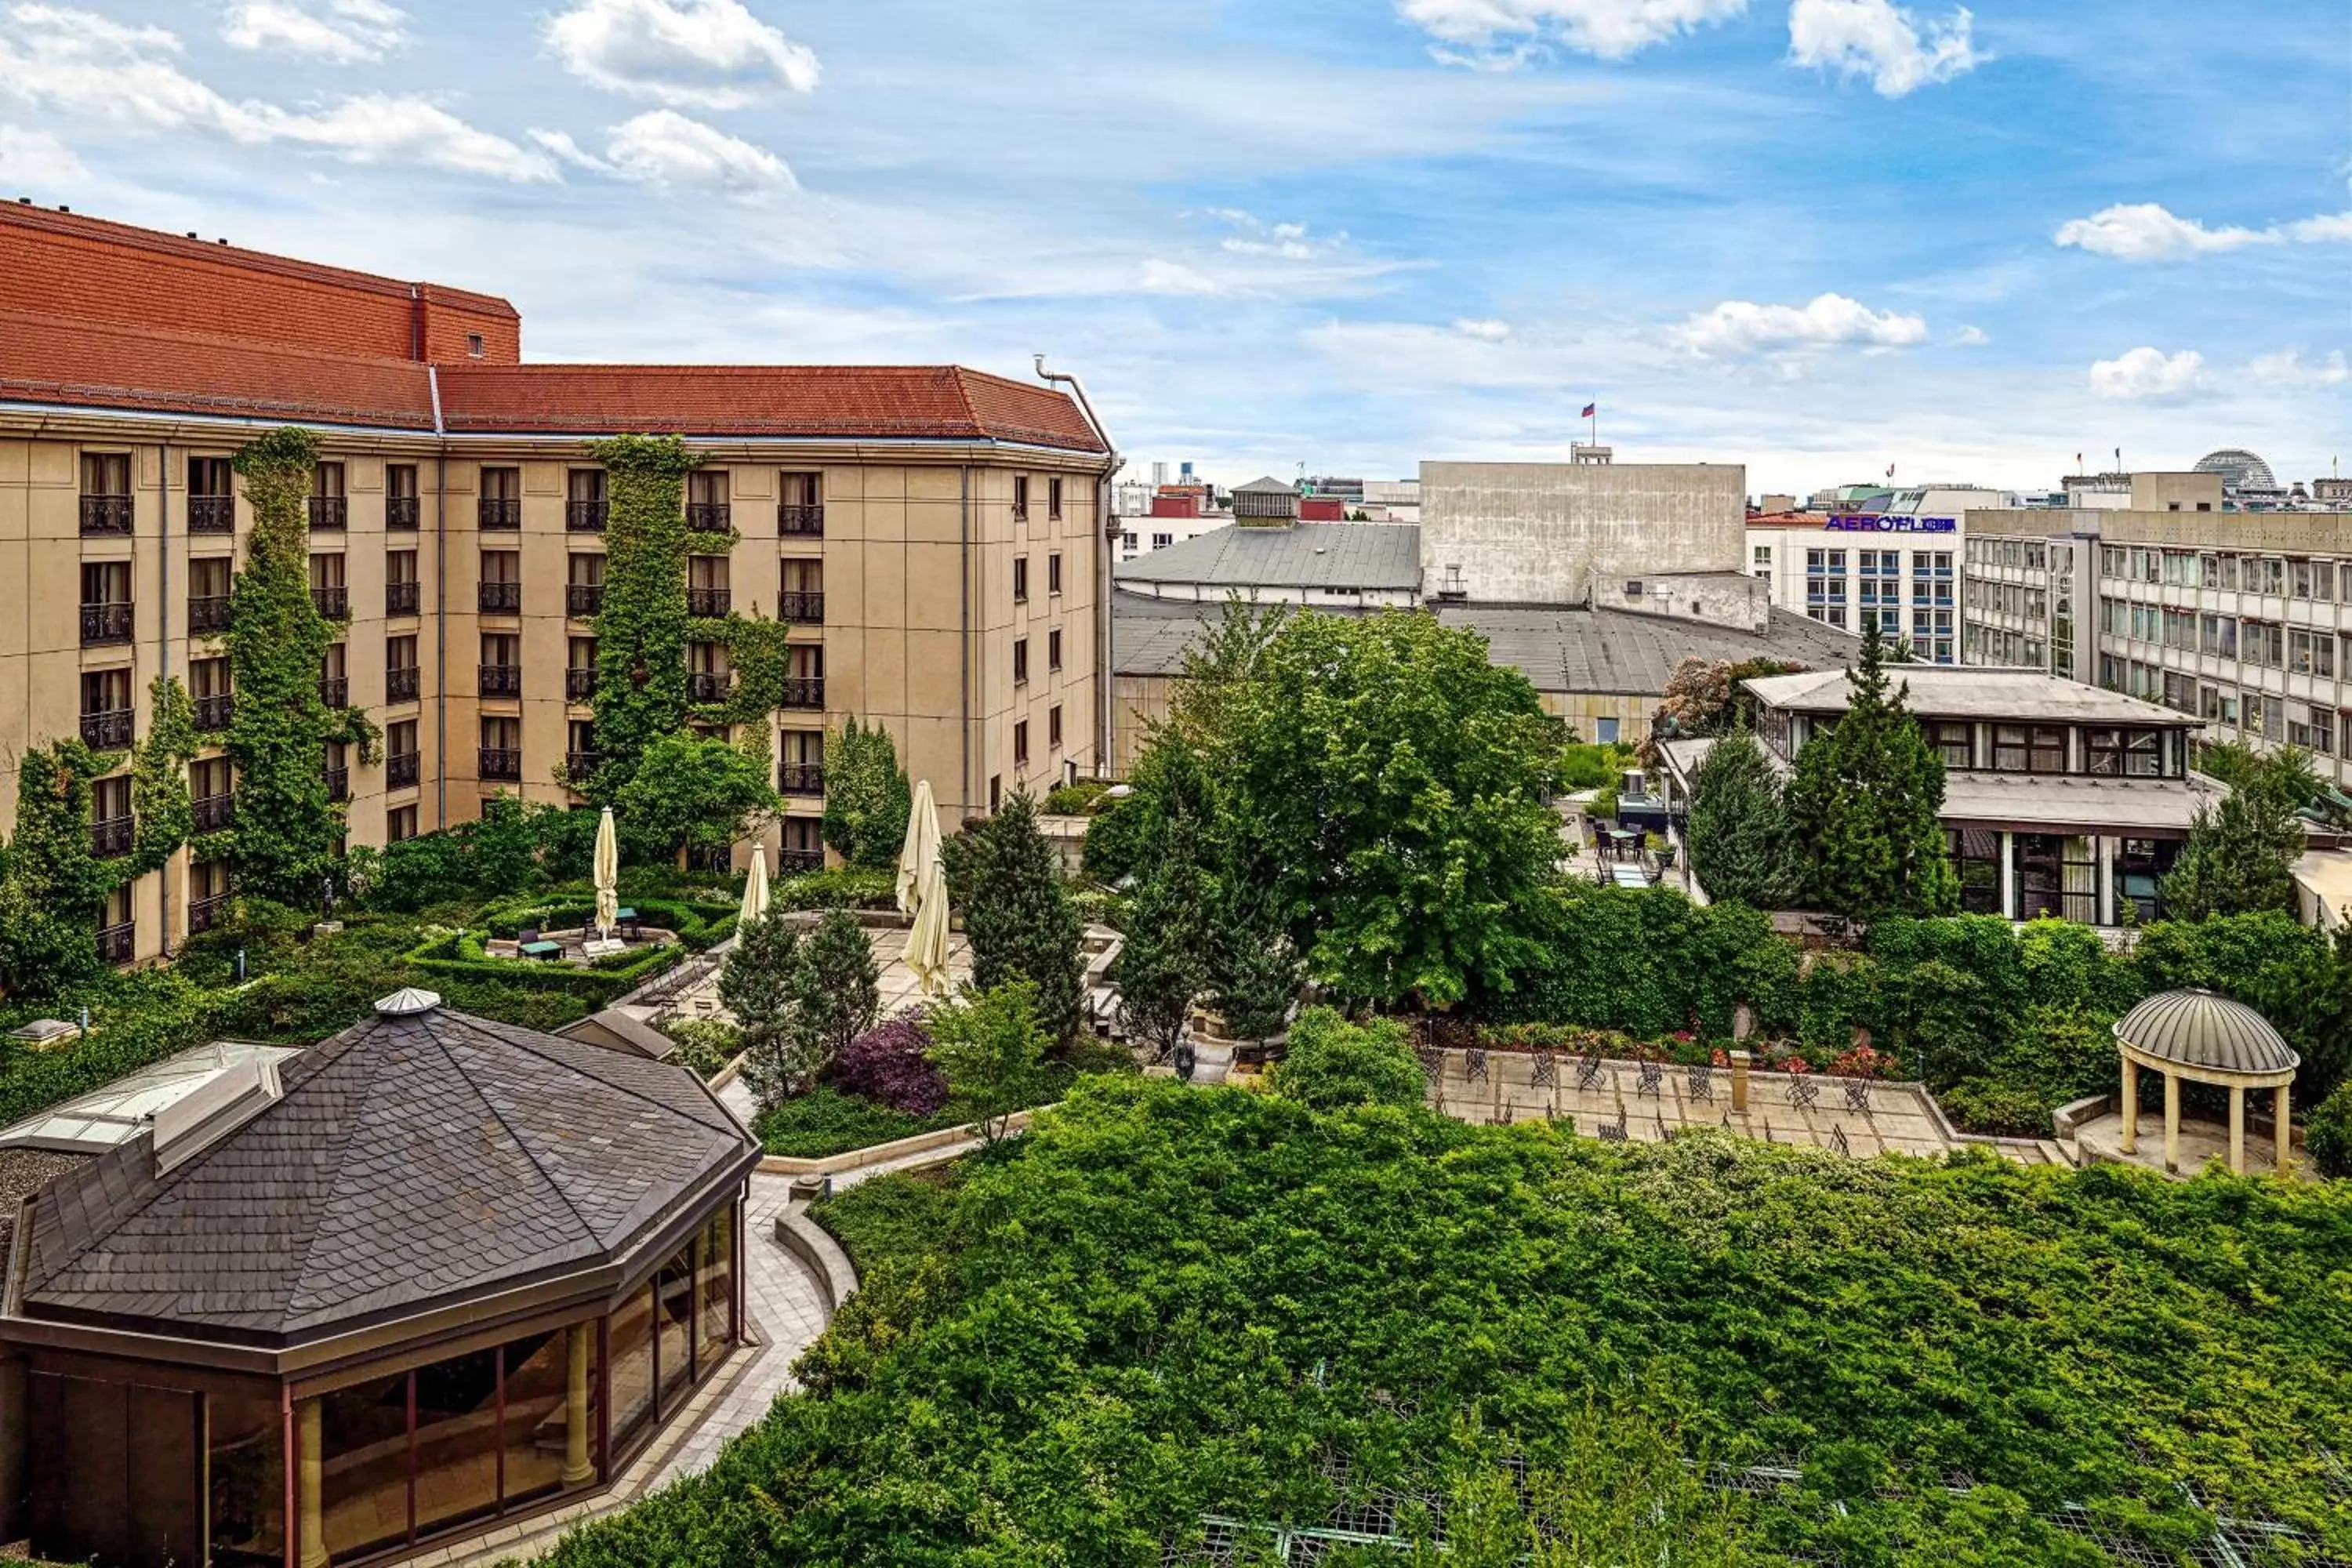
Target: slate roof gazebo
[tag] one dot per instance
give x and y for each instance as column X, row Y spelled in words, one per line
column 2205, row 1039
column 426, row 1276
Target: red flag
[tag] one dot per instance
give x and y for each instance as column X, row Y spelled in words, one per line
column 1590, row 410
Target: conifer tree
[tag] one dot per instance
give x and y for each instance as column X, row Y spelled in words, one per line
column 1017, row 912
column 1864, row 805
column 1164, row 963
column 1739, row 844
column 839, row 994
column 2241, row 854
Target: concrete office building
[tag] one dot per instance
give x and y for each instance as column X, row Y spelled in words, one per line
column 935, row 536
column 1895, row 558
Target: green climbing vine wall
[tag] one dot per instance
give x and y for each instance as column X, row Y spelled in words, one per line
column 159, row 776
column 52, row 889
column 642, row 627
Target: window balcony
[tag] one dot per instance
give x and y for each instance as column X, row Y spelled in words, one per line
column 800, row 521
column 585, row 516
column 335, row 690
column 213, row 712
column 800, row 778
column 401, row 685
column 795, row 862
column 583, row 600
column 710, row 517
column 580, row 683
column 112, row 836
column 804, row 692
column 107, row 732
column 104, row 624
column 399, row 771
column 800, row 609
column 215, row 812
column 403, row 598
column 106, row 517
column 709, row 603
column 207, row 914
column 497, row 513
column 212, row 514
column 330, row 514
column 580, row 766
column 499, row 764
column 208, row 616
column 339, row 784
column 709, row 685
column 400, row 514
column 116, row 944
column 501, row 681
column 335, row 604
column 501, row 598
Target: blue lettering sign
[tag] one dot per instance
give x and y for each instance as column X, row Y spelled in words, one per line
column 1882, row 522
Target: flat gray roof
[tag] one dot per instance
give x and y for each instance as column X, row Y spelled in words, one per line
column 1956, row 691
column 1368, row 555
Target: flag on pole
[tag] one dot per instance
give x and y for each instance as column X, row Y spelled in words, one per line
column 1890, row 471
column 1590, row 409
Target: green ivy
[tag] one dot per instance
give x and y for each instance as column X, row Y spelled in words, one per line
column 642, row 627
column 52, row 889
column 866, row 800
column 287, row 827
column 159, row 776
column 760, row 652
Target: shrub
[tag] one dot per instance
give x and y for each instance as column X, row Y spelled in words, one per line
column 842, row 888
column 1996, row 1109
column 2328, row 1132
column 1332, row 1063
column 1074, row 799
column 825, row 1121
column 705, row 1046
column 991, row 1047
column 890, row 1065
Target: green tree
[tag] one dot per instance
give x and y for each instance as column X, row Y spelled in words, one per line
column 1331, row 1063
column 2241, row 854
column 287, row 827
column 866, row 798
column 838, row 996
column 642, row 625
column 1739, row 844
column 2329, row 1133
column 1253, row 970
column 1865, row 806
column 989, row 1045
column 53, row 890
column 159, row 776
column 760, row 982
column 1018, row 915
column 1386, row 787
column 689, row 793
column 1164, row 962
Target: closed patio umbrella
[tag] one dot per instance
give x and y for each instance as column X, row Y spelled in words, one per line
column 755, row 887
column 923, row 893
column 608, row 876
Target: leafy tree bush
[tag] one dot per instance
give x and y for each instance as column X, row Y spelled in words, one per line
column 838, row 996
column 1739, row 844
column 53, row 890
column 1075, row 799
column 1332, row 1063
column 515, row 847
column 2328, row 1133
column 867, row 800
column 829, row 1121
column 2241, row 854
column 686, row 792
column 759, row 985
column 1006, row 881
column 989, row 1045
column 1864, row 805
column 890, row 1065
column 642, row 626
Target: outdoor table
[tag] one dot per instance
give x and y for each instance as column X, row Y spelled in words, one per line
column 625, row 918
column 542, row 950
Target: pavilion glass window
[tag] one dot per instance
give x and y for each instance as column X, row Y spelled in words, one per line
column 2141, row 866
column 2057, row 874
column 1976, row 861
column 1955, row 743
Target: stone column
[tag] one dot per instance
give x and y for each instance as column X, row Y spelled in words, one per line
column 309, row 1484
column 2130, row 1143
column 579, row 1465
column 2106, row 874
column 2171, row 1120
column 2009, row 875
column 1739, row 1061
column 2237, row 1130
column 2285, row 1132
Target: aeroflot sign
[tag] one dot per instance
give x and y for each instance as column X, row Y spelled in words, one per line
column 1878, row 522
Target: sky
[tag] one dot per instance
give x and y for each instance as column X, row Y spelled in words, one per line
column 1816, row 238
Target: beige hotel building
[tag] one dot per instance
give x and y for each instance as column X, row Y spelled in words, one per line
column 934, row 535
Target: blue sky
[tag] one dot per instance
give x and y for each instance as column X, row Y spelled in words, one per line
column 1814, row 236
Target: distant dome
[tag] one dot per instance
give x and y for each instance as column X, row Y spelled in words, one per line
column 2199, row 1029
column 2240, row 469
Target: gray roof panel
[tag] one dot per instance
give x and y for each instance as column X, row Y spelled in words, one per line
column 2201, row 1029
column 1368, row 555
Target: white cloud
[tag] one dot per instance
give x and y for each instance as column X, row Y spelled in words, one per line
column 1610, row 29
column 340, row 32
column 1286, row 241
column 1485, row 331
column 1872, row 39
column 710, row 54
column 1160, row 276
column 2290, row 369
column 2332, row 226
column 35, row 159
column 2149, row 375
column 662, row 147
column 1972, row 338
column 2144, row 231
column 78, row 64
column 1828, row 321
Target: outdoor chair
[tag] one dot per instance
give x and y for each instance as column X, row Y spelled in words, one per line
column 1615, row 1131
column 1857, row 1094
column 1587, row 1071
column 1803, row 1091
column 526, row 936
column 1652, row 1079
column 1702, row 1082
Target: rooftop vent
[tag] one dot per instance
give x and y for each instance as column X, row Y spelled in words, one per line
column 407, row 1003
column 42, row 1033
column 189, row 1126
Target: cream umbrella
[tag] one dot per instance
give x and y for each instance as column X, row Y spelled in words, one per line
column 923, row 893
column 608, row 876
column 755, row 887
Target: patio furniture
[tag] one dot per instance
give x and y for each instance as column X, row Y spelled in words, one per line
column 1857, row 1094
column 1802, row 1091
column 632, row 930
column 1546, row 1071
column 1614, row 1131
column 1651, row 1080
column 1702, row 1082
column 541, row 951
column 1587, row 1071
column 526, row 936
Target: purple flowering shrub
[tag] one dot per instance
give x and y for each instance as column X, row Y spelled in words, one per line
column 890, row 1065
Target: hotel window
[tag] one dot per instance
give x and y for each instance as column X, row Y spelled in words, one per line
column 2059, row 875
column 2317, row 733
column 1054, row 573
column 1020, row 497
column 2222, row 635
column 1053, row 500
column 2264, row 644
column 1053, row 727
column 1763, row 559
column 475, row 348
column 2312, row 653
column 401, row 504
column 1054, row 649
column 329, row 506
column 2344, row 592
column 2266, row 575
column 1955, row 743
column 2311, row 580
column 1021, row 579
column 1020, row 744
column 400, row 823
column 1020, row 660
column 2126, row 753
column 2229, row 574
column 1162, row 540
column 501, row 580
column 2111, row 561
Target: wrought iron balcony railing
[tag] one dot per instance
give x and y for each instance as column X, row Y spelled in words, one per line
column 106, row 517
column 212, row 514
